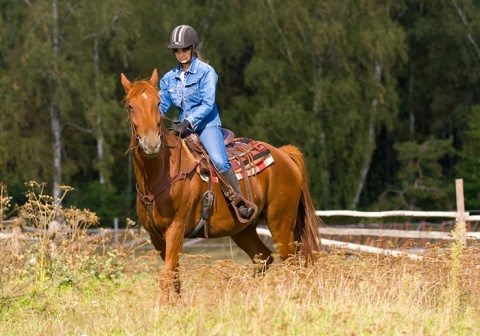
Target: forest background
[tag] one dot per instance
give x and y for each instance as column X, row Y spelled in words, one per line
column 382, row 97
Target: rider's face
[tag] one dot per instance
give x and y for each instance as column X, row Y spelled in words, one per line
column 183, row 55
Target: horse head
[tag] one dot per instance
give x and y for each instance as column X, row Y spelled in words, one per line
column 141, row 102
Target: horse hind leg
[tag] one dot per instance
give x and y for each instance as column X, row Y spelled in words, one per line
column 249, row 241
column 280, row 217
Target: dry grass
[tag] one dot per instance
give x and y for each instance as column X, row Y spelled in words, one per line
column 81, row 289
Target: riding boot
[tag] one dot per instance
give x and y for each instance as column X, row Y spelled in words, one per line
column 243, row 210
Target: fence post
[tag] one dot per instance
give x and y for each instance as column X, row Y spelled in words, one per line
column 461, row 227
column 115, row 230
column 424, row 228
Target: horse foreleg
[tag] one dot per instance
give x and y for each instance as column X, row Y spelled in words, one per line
column 159, row 244
column 169, row 275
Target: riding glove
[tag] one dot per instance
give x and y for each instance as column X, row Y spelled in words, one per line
column 181, row 128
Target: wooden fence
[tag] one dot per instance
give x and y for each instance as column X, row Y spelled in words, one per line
column 459, row 217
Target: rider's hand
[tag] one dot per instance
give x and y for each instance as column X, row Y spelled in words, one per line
column 181, row 128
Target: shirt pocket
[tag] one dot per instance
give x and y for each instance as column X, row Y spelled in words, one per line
column 175, row 96
column 192, row 91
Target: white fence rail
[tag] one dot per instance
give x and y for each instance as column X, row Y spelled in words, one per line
column 460, row 216
column 383, row 214
column 409, row 234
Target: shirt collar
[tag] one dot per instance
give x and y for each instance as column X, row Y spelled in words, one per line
column 193, row 67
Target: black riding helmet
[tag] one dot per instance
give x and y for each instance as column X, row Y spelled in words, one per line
column 183, row 36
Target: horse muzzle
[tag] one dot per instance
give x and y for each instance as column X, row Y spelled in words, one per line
column 150, row 145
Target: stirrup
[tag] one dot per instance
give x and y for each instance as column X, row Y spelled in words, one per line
column 240, row 203
column 245, row 211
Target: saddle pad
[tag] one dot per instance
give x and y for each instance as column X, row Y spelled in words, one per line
column 253, row 154
column 257, row 167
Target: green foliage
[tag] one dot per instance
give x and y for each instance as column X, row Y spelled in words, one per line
column 324, row 57
column 443, row 66
column 469, row 160
column 59, row 80
column 419, row 179
column 105, row 200
column 346, row 83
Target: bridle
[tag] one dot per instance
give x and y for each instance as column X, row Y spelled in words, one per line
column 148, row 197
column 141, row 142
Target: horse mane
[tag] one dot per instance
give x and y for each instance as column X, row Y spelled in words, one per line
column 138, row 88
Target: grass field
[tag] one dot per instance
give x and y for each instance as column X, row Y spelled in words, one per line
column 81, row 292
column 65, row 283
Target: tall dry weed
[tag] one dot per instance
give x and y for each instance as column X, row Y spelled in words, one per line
column 48, row 245
column 340, row 277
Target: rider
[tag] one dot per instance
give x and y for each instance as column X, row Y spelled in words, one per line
column 191, row 88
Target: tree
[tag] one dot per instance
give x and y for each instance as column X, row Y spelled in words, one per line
column 420, row 184
column 469, row 160
column 104, row 36
column 60, row 69
column 443, row 67
column 324, row 73
column 437, row 88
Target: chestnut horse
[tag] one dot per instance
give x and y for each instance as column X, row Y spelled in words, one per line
column 169, row 198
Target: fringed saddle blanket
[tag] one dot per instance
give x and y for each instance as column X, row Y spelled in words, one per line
column 251, row 153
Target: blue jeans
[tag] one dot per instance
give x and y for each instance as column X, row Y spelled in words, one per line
column 211, row 138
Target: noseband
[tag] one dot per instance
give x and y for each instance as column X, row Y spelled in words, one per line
column 143, row 142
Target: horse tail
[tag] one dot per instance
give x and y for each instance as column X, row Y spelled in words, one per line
column 307, row 225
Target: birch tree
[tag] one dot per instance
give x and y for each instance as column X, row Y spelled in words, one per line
column 104, row 31
column 324, row 74
column 439, row 93
column 438, row 83
column 34, row 92
column 54, row 83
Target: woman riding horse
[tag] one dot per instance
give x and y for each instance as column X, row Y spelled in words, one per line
column 170, row 189
column 190, row 87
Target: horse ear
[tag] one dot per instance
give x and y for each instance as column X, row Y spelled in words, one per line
column 125, row 82
column 154, row 78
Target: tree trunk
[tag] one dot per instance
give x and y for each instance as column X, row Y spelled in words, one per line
column 411, row 112
column 54, row 109
column 98, row 120
column 463, row 17
column 370, row 143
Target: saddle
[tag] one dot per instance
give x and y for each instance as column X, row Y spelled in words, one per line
column 247, row 158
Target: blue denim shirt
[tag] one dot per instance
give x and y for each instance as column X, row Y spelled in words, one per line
column 195, row 97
